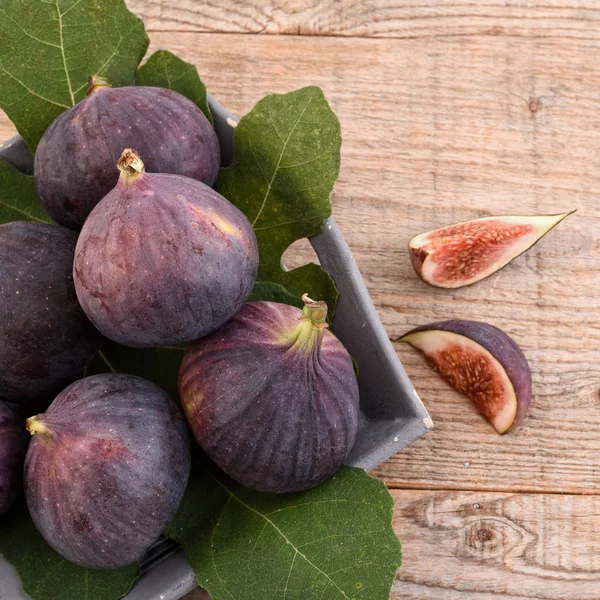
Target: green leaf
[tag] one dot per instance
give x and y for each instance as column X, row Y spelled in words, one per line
column 18, row 199
column 335, row 542
column 264, row 290
column 159, row 365
column 48, row 576
column 164, row 69
column 51, row 47
column 285, row 163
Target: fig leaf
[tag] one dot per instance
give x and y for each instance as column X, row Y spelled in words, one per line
column 335, row 541
column 46, row 575
column 159, row 365
column 274, row 292
column 18, row 199
column 164, row 69
column 286, row 160
column 49, row 49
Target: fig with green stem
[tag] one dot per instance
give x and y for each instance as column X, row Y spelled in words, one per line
column 272, row 397
column 106, row 469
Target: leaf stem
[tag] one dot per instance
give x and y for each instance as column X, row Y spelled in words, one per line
column 106, row 361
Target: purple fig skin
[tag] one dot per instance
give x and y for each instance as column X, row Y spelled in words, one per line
column 75, row 159
column 163, row 259
column 502, row 347
column 45, row 338
column 13, row 445
column 276, row 411
column 106, row 469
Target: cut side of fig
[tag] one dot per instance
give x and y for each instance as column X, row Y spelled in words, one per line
column 482, row 362
column 467, row 252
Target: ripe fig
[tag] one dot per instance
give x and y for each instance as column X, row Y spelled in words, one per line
column 482, row 362
column 467, row 252
column 163, row 259
column 169, row 130
column 106, row 469
column 272, row 397
column 45, row 338
column 13, row 444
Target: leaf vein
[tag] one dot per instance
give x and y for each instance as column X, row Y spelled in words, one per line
column 278, row 530
column 264, row 202
column 29, row 35
column 32, row 92
column 62, row 51
column 22, row 212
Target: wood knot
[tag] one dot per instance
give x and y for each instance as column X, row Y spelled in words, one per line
column 534, row 106
column 490, row 538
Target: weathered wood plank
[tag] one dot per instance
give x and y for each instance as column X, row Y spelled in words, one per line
column 502, row 546
column 441, row 130
column 459, row 545
column 381, row 18
column 7, row 129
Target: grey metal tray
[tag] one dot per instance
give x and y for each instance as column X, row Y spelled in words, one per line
column 392, row 415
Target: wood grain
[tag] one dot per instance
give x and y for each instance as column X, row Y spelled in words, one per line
column 374, row 18
column 483, row 546
column 442, row 130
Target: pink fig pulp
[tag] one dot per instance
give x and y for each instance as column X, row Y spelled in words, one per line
column 464, row 253
column 483, row 363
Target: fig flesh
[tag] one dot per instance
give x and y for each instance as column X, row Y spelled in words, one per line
column 483, row 363
column 169, row 130
column 13, row 444
column 106, row 469
column 163, row 259
column 272, row 397
column 45, row 338
column 464, row 253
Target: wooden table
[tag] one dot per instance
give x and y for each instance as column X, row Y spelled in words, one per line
column 452, row 111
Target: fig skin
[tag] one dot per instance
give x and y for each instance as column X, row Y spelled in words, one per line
column 272, row 397
column 45, row 338
column 467, row 252
column 13, row 445
column 75, row 159
column 509, row 356
column 163, row 259
column 106, row 469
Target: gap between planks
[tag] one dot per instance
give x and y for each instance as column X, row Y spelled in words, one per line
column 396, row 486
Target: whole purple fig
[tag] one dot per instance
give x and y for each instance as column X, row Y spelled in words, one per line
column 45, row 338
column 170, row 132
column 13, row 444
column 106, row 469
column 163, row 259
column 272, row 397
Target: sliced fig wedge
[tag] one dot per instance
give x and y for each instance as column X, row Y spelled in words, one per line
column 483, row 363
column 467, row 252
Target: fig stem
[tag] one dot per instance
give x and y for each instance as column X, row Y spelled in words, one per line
column 310, row 330
column 314, row 311
column 96, row 82
column 130, row 162
column 36, row 427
